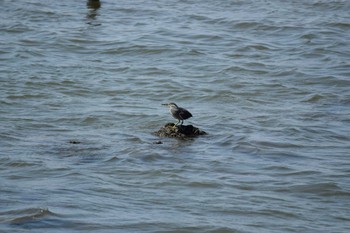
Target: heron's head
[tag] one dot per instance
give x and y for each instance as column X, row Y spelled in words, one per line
column 171, row 105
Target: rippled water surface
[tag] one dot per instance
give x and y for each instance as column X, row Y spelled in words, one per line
column 81, row 90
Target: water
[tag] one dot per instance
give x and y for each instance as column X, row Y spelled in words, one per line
column 81, row 93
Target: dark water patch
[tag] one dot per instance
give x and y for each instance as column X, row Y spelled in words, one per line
column 309, row 36
column 27, row 96
column 140, row 50
column 152, row 157
column 21, row 164
column 340, row 25
column 279, row 214
column 322, row 189
column 314, row 98
column 247, row 25
column 204, row 229
column 309, row 173
column 204, row 185
column 330, row 5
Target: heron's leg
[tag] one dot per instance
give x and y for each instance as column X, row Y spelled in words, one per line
column 177, row 123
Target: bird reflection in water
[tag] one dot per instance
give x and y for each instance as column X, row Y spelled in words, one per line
column 93, row 6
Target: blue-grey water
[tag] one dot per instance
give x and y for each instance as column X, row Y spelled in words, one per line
column 81, row 90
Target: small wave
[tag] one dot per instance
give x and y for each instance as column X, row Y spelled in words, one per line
column 313, row 98
column 247, row 25
column 328, row 5
column 323, row 189
column 276, row 144
column 203, row 184
column 27, row 215
column 341, row 25
column 15, row 164
column 28, row 96
column 138, row 49
column 89, row 120
column 308, row 36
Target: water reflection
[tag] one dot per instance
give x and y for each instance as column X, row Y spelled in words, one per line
column 93, row 6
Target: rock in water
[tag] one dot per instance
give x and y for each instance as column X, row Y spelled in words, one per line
column 179, row 131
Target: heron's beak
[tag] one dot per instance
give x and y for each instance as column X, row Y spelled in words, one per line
column 165, row 104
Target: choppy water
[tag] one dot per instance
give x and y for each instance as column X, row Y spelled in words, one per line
column 268, row 80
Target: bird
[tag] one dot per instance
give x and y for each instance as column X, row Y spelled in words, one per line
column 178, row 113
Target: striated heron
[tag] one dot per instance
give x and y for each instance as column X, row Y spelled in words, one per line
column 178, row 113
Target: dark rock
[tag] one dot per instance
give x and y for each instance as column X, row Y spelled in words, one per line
column 171, row 130
column 158, row 142
column 74, row 142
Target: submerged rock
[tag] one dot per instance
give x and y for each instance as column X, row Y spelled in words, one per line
column 171, row 130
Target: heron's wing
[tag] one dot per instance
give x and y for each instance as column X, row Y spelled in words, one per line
column 184, row 114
